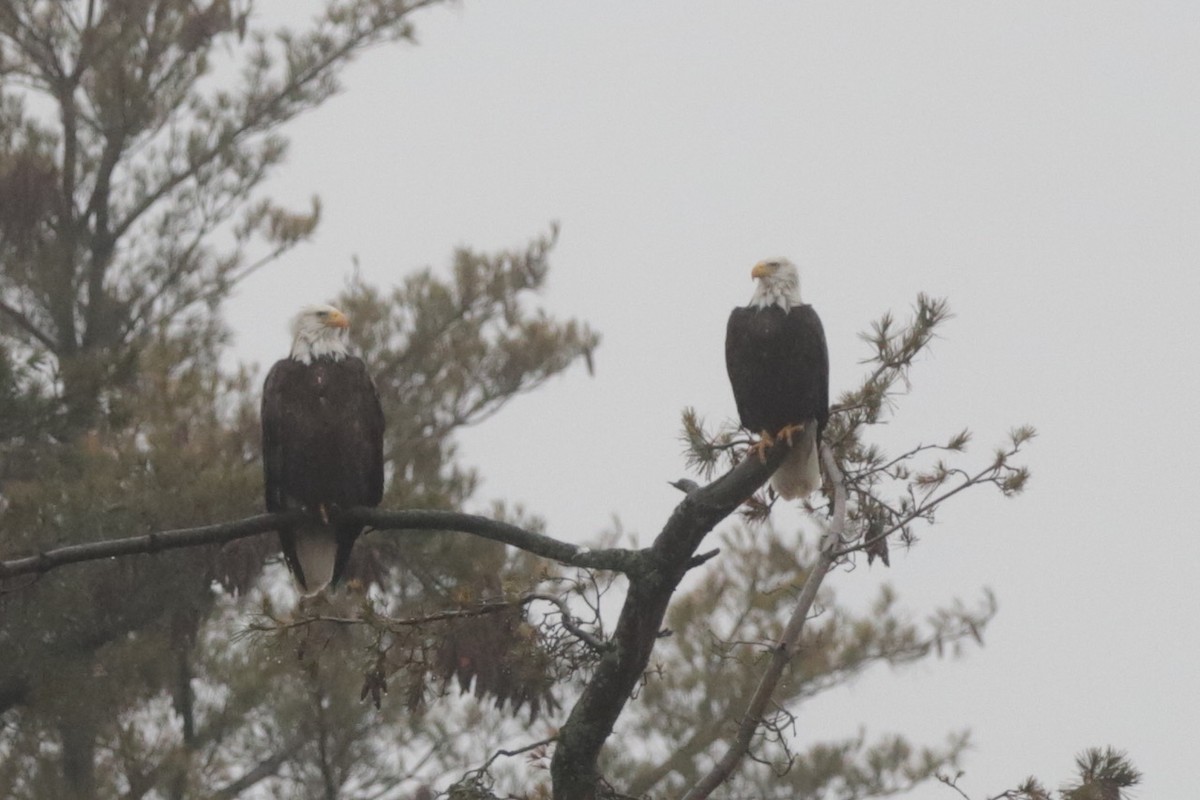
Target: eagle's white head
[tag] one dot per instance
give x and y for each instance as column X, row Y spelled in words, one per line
column 778, row 284
column 319, row 331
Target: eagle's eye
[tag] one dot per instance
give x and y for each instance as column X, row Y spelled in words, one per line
column 322, row 314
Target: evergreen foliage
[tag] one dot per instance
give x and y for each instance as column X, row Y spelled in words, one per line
column 1100, row 774
column 125, row 158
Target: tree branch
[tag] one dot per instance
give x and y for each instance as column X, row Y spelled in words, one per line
column 573, row 767
column 614, row 559
column 476, row 777
column 148, row 543
column 26, row 324
column 482, row 609
column 989, row 474
column 570, row 623
column 789, row 642
column 265, row 769
column 264, row 114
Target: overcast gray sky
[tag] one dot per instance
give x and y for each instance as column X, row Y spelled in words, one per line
column 1036, row 162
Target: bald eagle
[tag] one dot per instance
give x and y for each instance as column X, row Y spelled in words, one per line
column 778, row 366
column 322, row 436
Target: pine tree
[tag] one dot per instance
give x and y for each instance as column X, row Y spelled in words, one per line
column 117, row 418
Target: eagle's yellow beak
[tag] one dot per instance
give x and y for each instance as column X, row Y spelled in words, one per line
column 761, row 270
column 337, row 319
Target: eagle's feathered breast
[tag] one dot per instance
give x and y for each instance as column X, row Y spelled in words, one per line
column 778, row 365
column 322, row 435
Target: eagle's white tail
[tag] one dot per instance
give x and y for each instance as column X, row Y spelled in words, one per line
column 316, row 550
column 800, row 472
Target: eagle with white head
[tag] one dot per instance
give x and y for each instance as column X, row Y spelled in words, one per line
column 778, row 366
column 322, row 436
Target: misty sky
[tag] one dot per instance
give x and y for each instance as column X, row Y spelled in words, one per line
column 1038, row 163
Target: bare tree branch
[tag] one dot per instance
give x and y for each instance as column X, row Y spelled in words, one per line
column 265, row 769
column 615, row 559
column 570, row 623
column 478, row 778
column 789, row 642
column 995, row 473
column 148, row 543
column 26, row 324
column 573, row 767
column 481, row 609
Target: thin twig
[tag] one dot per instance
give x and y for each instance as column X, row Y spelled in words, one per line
column 489, row 607
column 885, row 466
column 483, row 609
column 569, row 622
column 953, row 784
column 989, row 474
column 479, row 772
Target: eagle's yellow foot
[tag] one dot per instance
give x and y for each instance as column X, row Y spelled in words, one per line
column 789, row 431
column 765, row 442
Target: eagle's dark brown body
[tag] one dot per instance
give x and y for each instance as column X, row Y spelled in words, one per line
column 778, row 365
column 322, row 429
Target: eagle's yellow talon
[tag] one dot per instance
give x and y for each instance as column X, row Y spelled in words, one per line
column 789, row 431
column 764, row 443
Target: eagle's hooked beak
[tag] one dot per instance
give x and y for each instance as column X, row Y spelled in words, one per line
column 761, row 270
column 337, row 319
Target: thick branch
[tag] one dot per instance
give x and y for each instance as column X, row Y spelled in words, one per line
column 615, row 559
column 789, row 642
column 148, row 543
column 618, row 672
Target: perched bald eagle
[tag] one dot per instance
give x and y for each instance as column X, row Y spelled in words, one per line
column 778, row 365
column 322, row 429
